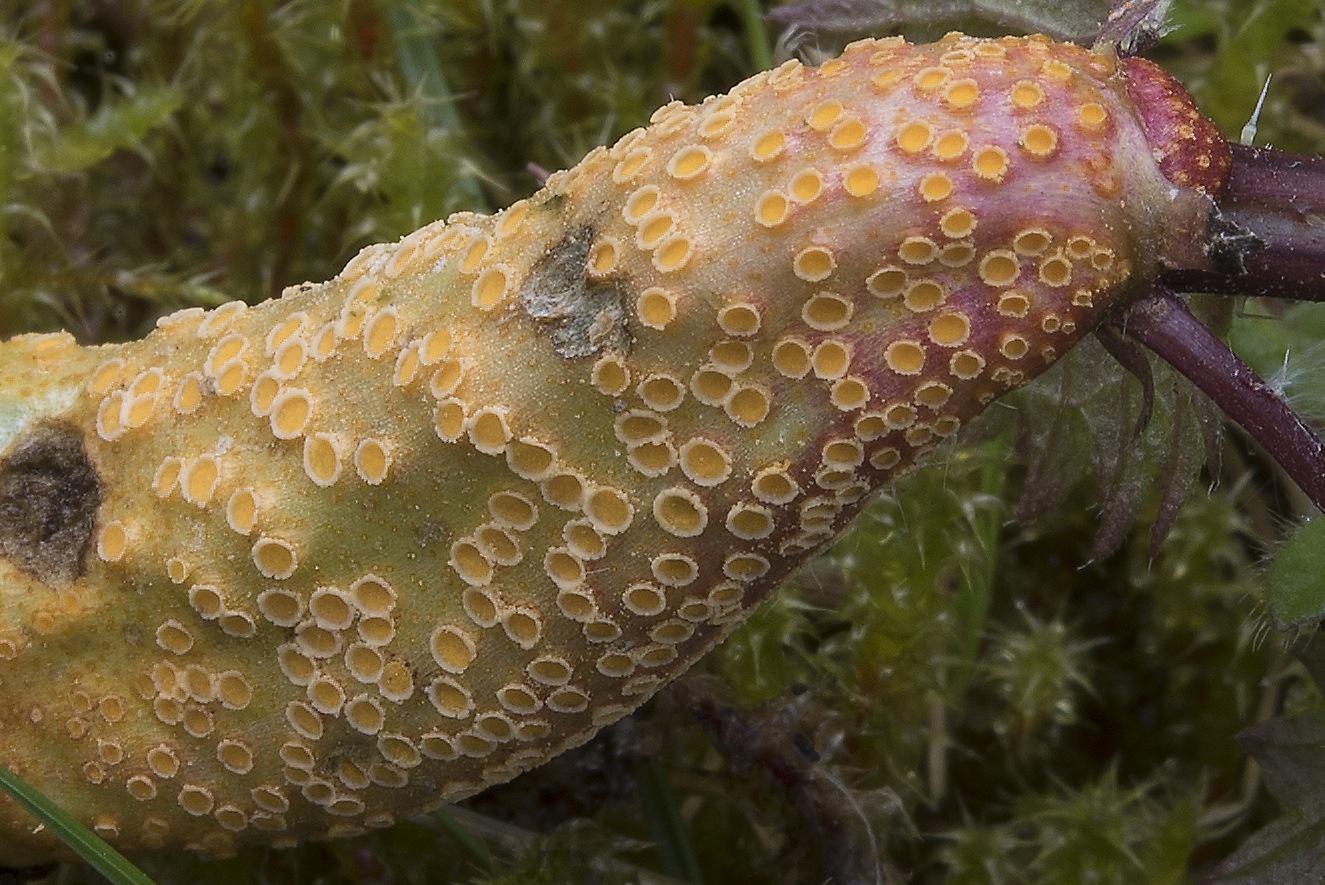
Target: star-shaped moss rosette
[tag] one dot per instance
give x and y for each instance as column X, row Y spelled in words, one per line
column 300, row 569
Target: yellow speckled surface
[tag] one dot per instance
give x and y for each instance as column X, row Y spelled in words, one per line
column 394, row 538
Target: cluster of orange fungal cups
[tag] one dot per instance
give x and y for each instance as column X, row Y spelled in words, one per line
column 307, row 567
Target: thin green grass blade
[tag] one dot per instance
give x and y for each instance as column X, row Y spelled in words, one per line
column 756, row 35
column 676, row 853
column 422, row 71
column 106, row 860
column 976, row 592
column 477, row 848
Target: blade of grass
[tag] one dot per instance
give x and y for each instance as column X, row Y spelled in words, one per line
column 756, row 35
column 106, row 860
column 476, row 847
column 976, row 591
column 422, row 71
column 676, row 853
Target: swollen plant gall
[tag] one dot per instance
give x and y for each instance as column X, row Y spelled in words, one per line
column 487, row 490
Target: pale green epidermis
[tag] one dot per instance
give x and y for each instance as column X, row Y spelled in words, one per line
column 19, row 414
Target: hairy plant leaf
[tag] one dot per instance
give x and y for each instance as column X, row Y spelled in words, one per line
column 1291, row 753
column 1295, row 586
column 1288, row 850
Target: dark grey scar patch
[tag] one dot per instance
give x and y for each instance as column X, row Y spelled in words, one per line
column 49, row 496
column 582, row 316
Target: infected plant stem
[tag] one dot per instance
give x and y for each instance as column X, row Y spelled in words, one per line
column 1163, row 323
column 1279, row 198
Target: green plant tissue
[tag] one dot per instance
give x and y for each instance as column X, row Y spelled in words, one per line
column 1295, row 586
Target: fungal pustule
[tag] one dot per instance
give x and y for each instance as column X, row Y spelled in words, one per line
column 626, row 413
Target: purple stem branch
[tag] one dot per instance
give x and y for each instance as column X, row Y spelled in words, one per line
column 1280, row 199
column 1162, row 322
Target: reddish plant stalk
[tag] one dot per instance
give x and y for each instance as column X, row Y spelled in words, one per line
column 1270, row 238
column 1163, row 323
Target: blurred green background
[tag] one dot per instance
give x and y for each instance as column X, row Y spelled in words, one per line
column 996, row 677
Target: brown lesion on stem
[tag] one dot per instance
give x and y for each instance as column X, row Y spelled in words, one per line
column 580, row 315
column 49, row 497
column 1270, row 235
column 1265, row 237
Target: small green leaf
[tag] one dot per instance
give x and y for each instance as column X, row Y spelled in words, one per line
column 1295, row 586
column 1291, row 753
column 1285, row 851
column 106, row 860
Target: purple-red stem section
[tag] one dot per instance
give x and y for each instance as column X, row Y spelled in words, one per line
column 1162, row 322
column 1280, row 198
